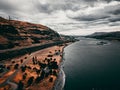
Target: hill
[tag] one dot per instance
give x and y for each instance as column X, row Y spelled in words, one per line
column 14, row 34
column 106, row 35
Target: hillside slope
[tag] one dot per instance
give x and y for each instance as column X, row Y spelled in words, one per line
column 106, row 35
column 14, row 34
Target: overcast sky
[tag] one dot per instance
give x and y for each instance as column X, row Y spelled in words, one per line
column 76, row 17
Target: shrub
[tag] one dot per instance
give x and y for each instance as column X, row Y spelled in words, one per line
column 30, row 81
column 16, row 66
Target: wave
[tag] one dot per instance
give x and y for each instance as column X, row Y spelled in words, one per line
column 60, row 82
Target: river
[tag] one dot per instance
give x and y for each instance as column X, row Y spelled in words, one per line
column 89, row 66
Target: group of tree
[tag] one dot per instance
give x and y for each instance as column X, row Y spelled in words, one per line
column 30, row 81
column 16, row 66
column 53, row 65
column 34, row 60
column 2, row 67
column 41, row 77
column 23, row 68
column 24, row 76
column 20, row 85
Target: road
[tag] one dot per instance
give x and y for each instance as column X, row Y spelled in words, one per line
column 9, row 79
column 11, row 53
column 14, row 85
column 19, row 48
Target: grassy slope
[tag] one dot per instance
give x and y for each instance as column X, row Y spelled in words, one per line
column 15, row 34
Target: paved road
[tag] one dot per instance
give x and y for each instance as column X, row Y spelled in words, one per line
column 14, row 85
column 8, row 80
column 14, row 74
column 19, row 48
column 11, row 53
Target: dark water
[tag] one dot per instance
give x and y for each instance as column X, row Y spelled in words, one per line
column 89, row 66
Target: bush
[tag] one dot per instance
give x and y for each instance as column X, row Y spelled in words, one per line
column 8, row 67
column 38, row 79
column 30, row 81
column 51, row 79
column 20, row 85
column 16, row 66
column 23, row 68
column 24, row 76
column 1, row 70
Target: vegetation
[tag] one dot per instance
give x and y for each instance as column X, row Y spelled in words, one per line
column 38, row 79
column 53, row 65
column 51, row 79
column 30, row 81
column 16, row 66
column 27, row 71
column 23, row 68
column 24, row 76
column 20, row 85
column 106, row 36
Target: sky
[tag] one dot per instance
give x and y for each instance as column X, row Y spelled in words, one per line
column 70, row 17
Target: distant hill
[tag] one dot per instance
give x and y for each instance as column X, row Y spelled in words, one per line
column 106, row 35
column 15, row 34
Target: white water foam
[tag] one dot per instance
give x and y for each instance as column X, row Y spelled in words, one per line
column 60, row 82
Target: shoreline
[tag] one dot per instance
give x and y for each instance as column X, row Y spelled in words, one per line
column 45, row 84
column 60, row 81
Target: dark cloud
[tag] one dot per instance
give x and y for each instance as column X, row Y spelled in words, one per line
column 6, row 7
column 111, row 0
column 103, row 11
column 44, row 8
column 90, row 18
column 114, row 19
column 115, row 12
column 85, row 12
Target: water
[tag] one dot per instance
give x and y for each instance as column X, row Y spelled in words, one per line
column 89, row 66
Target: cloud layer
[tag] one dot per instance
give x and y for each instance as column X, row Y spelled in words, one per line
column 66, row 17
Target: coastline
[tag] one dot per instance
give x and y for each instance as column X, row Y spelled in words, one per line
column 45, row 84
column 60, row 80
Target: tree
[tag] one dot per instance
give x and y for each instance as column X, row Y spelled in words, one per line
column 38, row 79
column 51, row 79
column 16, row 66
column 42, row 65
column 24, row 76
column 8, row 67
column 47, row 74
column 53, row 65
column 21, row 60
column 30, row 81
column 13, row 62
column 23, row 68
column 29, row 67
column 33, row 59
column 1, row 70
column 25, row 57
column 38, row 71
column 20, row 85
column 55, row 73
